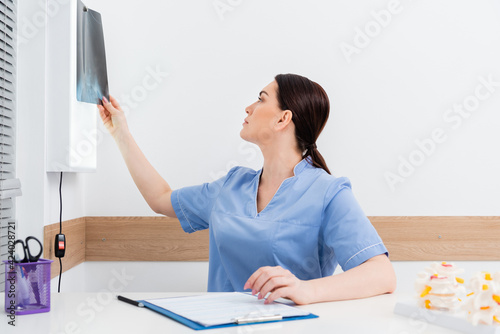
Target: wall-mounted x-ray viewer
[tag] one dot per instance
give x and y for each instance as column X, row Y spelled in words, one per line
column 76, row 81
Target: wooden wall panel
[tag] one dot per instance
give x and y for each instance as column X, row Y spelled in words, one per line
column 440, row 238
column 410, row 238
column 143, row 239
column 74, row 230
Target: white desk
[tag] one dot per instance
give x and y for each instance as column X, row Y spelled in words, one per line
column 102, row 313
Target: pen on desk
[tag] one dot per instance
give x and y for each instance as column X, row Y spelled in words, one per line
column 130, row 301
column 262, row 318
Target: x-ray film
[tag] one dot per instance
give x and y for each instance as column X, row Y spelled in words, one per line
column 91, row 76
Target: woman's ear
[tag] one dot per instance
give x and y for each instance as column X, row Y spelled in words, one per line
column 284, row 120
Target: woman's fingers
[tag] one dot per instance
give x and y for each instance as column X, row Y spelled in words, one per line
column 278, row 283
column 278, row 293
column 272, row 285
column 108, row 106
column 251, row 280
column 112, row 115
column 258, row 278
column 112, row 106
column 268, row 279
column 105, row 116
column 102, row 110
column 114, row 103
column 271, row 277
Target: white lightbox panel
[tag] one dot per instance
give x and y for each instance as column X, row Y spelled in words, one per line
column 71, row 125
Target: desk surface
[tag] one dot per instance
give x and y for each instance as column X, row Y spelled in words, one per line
column 102, row 313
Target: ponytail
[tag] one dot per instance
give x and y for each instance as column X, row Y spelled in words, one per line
column 310, row 108
column 316, row 159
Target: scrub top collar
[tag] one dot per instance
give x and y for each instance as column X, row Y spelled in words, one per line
column 298, row 167
column 302, row 165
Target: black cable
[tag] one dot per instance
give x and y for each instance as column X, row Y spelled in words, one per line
column 60, row 230
column 60, row 272
column 60, row 204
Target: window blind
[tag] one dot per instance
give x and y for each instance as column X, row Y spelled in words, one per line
column 10, row 186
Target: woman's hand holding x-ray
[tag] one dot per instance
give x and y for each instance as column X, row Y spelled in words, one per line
column 113, row 117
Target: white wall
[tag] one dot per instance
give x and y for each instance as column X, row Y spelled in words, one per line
column 134, row 277
column 393, row 92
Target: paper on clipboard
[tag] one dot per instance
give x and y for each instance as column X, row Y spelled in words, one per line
column 224, row 308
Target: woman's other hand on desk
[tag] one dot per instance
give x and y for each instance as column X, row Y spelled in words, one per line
column 281, row 283
column 373, row 277
column 113, row 117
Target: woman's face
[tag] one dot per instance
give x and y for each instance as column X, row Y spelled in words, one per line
column 258, row 127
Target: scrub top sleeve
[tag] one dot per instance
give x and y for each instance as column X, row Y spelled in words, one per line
column 347, row 232
column 193, row 205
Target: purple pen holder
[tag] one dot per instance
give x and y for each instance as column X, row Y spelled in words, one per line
column 27, row 287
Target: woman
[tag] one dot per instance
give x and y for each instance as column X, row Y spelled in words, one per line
column 280, row 230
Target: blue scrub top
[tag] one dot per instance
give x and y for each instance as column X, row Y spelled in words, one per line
column 312, row 223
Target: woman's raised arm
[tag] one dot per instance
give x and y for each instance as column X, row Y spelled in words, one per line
column 152, row 186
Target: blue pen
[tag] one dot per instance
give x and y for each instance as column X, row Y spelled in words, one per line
column 23, row 292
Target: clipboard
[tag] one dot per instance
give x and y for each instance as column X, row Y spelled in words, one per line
column 237, row 300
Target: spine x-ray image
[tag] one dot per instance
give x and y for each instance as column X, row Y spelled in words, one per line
column 91, row 77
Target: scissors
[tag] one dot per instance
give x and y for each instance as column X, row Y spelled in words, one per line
column 28, row 257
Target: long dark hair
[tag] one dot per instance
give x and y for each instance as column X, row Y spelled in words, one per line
column 310, row 109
